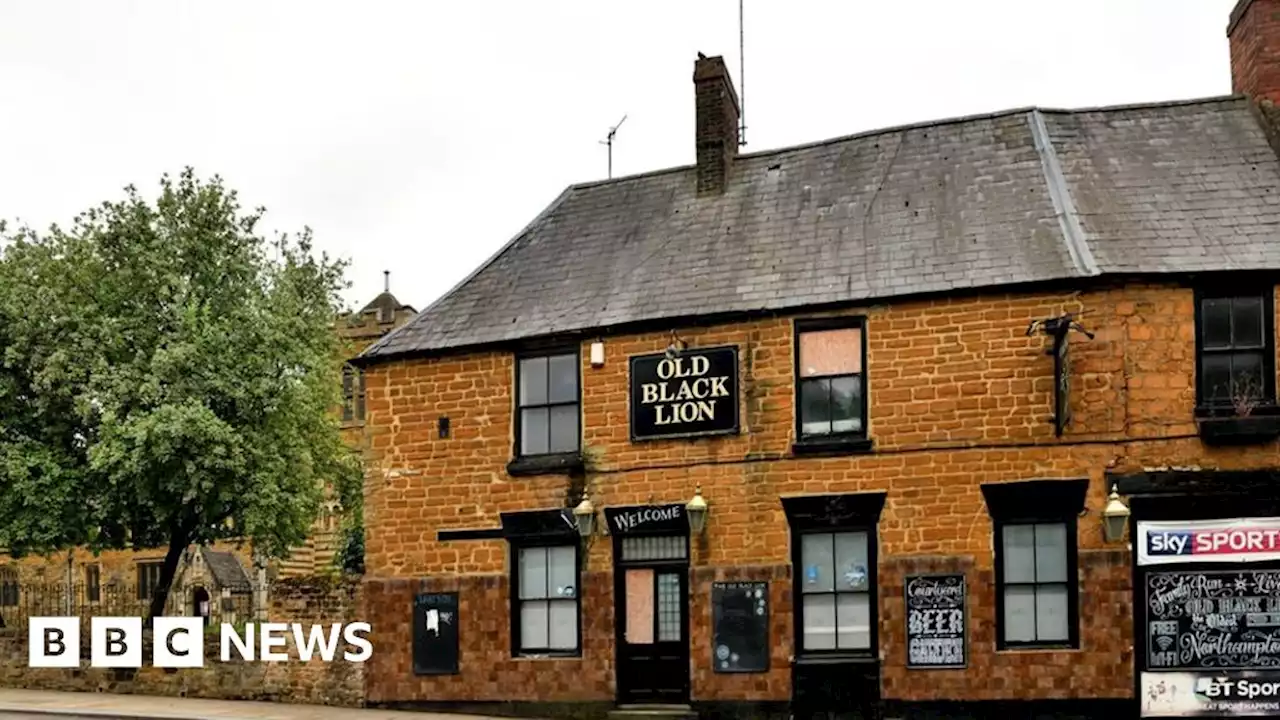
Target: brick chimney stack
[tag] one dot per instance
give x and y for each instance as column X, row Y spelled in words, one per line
column 717, row 123
column 1254, row 35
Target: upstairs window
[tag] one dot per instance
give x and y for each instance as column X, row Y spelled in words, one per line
column 547, row 412
column 93, row 583
column 831, row 393
column 9, row 589
column 352, row 394
column 1235, row 352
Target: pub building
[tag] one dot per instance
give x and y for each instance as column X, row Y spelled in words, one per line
column 974, row 418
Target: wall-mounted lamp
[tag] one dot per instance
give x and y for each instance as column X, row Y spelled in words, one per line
column 676, row 346
column 597, row 354
column 584, row 516
column 1115, row 517
column 697, row 511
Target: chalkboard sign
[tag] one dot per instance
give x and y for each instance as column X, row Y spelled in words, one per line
column 435, row 634
column 935, row 621
column 740, row 627
column 1220, row 620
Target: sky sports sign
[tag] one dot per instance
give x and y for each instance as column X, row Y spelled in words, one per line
column 178, row 642
column 1201, row 541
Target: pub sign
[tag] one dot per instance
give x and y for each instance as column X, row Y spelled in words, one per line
column 692, row 393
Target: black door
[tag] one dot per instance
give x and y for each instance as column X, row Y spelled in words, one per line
column 653, row 622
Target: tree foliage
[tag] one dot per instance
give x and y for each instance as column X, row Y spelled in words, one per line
column 167, row 377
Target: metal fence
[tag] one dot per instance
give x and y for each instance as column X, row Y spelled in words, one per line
column 21, row 601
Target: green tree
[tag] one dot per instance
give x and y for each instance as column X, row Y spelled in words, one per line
column 167, row 377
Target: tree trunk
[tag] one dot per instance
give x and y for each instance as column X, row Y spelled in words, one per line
column 177, row 544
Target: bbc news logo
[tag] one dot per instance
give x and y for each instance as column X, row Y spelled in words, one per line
column 116, row 642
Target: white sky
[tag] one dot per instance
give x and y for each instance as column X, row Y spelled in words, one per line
column 418, row 137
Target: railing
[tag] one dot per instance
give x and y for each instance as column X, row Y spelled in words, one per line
column 21, row 601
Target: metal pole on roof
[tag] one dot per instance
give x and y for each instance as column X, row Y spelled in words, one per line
column 742, row 78
column 608, row 142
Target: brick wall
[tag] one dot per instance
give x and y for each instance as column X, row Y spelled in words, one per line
column 959, row 395
column 303, row 601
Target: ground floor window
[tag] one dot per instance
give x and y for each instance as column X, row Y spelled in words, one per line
column 546, row 614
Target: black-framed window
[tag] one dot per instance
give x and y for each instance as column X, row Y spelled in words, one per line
column 1036, row 561
column 831, row 397
column 1037, row 583
column 9, row 588
column 837, row 591
column 834, row 558
column 1235, row 351
column 353, row 399
column 93, row 583
column 547, row 412
column 149, row 578
column 545, row 613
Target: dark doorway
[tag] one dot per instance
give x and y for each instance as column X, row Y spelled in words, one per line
column 200, row 604
column 651, row 587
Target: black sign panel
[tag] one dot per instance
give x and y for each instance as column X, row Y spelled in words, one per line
column 1062, row 382
column 740, row 627
column 647, row 520
column 692, row 393
column 935, row 621
column 1219, row 620
column 435, row 634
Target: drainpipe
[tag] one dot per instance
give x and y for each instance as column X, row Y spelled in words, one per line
column 71, row 583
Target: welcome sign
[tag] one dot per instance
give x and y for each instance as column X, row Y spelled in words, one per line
column 690, row 394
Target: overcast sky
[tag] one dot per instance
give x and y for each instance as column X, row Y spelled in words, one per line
column 418, row 137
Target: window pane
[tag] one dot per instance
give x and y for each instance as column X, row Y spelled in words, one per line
column 564, row 429
column 851, row 561
column 1020, row 613
column 1051, row 553
column 533, row 381
column 1019, row 553
column 563, row 634
column 533, row 431
column 819, row 565
column 1051, row 613
column 1246, row 377
column 815, row 407
column 1246, row 322
column 533, row 624
column 819, row 621
column 564, row 379
column 846, row 404
column 853, row 613
column 1215, row 371
column 533, row 573
column 669, row 629
column 831, row 352
column 562, row 574
column 1215, row 322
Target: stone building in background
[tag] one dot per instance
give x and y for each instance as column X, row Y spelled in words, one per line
column 855, row 426
column 213, row 581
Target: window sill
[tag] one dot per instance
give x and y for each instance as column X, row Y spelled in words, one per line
column 832, row 446
column 351, row 424
column 1253, row 429
column 1048, row 648
column 560, row 463
column 566, row 655
column 835, row 659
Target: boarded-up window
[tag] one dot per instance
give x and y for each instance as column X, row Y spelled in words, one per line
column 832, row 394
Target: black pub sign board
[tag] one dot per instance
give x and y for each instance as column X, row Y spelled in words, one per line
column 435, row 634
column 935, row 621
column 689, row 394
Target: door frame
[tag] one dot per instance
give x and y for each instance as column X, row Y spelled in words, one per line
column 620, row 568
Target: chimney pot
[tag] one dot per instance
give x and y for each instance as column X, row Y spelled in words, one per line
column 716, row 133
column 1254, row 36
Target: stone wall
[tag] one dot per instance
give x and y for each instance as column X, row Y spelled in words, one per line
column 959, row 395
column 305, row 601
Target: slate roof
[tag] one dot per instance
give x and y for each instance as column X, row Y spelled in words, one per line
column 1008, row 198
column 226, row 569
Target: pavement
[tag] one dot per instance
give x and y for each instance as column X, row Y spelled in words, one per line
column 47, row 705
